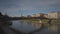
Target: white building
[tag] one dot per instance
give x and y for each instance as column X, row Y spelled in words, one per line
column 55, row 15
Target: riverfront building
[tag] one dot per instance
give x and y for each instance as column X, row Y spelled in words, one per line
column 50, row 15
column 40, row 15
column 55, row 15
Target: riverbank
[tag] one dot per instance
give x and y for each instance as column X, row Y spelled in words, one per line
column 17, row 32
column 45, row 24
column 43, row 20
column 1, row 30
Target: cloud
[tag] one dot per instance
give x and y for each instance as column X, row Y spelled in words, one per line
column 28, row 3
column 14, row 6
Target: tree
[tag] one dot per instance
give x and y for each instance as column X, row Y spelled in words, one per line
column 1, row 14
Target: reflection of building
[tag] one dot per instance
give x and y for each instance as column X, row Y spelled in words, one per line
column 54, row 28
column 36, row 25
column 54, row 15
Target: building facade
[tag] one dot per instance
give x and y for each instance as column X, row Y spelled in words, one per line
column 55, row 15
column 40, row 15
column 37, row 15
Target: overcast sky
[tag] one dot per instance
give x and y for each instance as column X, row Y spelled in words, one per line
column 26, row 7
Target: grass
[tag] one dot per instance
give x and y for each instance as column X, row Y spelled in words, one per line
column 43, row 21
column 31, row 20
column 55, row 21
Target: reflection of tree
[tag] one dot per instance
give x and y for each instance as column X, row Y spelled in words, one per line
column 36, row 25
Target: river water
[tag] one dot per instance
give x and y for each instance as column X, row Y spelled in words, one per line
column 27, row 27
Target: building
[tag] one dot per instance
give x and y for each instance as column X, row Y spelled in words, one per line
column 37, row 15
column 55, row 15
column 33, row 15
column 28, row 15
column 42, row 15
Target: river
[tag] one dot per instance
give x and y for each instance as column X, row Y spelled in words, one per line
column 27, row 27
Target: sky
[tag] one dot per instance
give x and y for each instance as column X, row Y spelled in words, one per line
column 28, row 7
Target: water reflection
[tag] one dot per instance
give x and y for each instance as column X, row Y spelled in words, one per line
column 54, row 28
column 26, row 27
column 36, row 25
